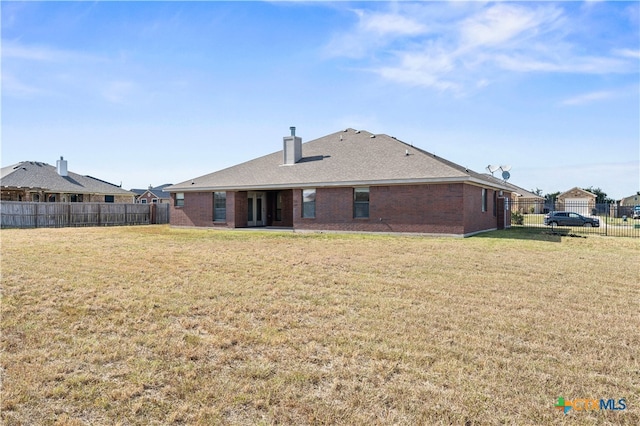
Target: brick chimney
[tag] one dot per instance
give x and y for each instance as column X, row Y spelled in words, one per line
column 292, row 148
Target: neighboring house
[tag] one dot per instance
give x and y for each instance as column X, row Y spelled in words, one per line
column 630, row 201
column 577, row 200
column 41, row 182
column 522, row 200
column 346, row 181
column 152, row 195
column 626, row 206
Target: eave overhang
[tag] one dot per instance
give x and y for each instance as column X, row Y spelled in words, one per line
column 266, row 187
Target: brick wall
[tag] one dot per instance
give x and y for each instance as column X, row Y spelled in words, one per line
column 401, row 208
column 240, row 209
column 436, row 208
column 474, row 218
column 197, row 210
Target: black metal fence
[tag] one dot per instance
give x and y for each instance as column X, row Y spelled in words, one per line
column 20, row 214
column 613, row 220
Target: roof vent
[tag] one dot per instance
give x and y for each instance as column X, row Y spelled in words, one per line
column 372, row 136
column 357, row 131
column 293, row 130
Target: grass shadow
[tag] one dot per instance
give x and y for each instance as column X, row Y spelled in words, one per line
column 553, row 235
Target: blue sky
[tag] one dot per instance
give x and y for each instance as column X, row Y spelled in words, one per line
column 144, row 93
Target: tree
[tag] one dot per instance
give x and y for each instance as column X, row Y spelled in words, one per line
column 601, row 196
column 552, row 196
column 537, row 191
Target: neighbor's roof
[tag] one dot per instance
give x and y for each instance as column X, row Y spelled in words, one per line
column 344, row 158
column 156, row 192
column 576, row 189
column 42, row 176
column 520, row 192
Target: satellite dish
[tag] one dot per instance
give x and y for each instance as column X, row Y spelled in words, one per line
column 505, row 168
column 492, row 168
column 506, row 175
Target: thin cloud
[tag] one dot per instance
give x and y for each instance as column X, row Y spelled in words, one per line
column 420, row 69
column 385, row 24
column 588, row 98
column 118, row 91
column 18, row 51
column 559, row 64
column 373, row 31
column 599, row 96
column 627, row 53
column 15, row 87
column 504, row 23
column 474, row 46
column 33, row 70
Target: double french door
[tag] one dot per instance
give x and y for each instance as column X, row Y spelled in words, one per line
column 256, row 207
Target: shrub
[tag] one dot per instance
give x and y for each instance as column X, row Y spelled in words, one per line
column 517, row 218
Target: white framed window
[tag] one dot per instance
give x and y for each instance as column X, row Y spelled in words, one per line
column 179, row 199
column 219, row 206
column 309, row 203
column 361, row 202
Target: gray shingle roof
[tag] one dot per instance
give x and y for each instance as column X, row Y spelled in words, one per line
column 347, row 157
column 38, row 175
column 156, row 191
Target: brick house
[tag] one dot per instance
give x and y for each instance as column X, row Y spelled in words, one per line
column 152, row 195
column 577, row 200
column 41, row 182
column 631, row 200
column 522, row 200
column 347, row 181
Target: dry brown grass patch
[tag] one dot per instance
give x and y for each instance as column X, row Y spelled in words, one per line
column 152, row 325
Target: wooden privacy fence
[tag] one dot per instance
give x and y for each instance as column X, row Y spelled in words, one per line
column 19, row 214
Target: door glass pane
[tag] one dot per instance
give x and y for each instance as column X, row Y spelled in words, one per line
column 259, row 209
column 250, row 209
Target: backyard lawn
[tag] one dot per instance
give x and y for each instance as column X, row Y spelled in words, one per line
column 155, row 325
